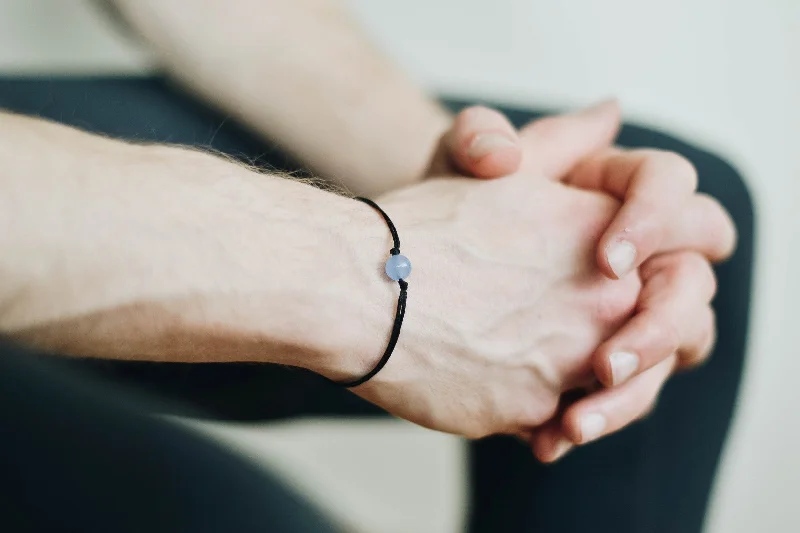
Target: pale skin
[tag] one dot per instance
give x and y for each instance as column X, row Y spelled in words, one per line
column 303, row 73
column 674, row 324
column 167, row 254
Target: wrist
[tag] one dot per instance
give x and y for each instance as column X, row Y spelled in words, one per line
column 316, row 297
column 165, row 254
column 349, row 323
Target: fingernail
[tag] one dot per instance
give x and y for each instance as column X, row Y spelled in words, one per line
column 562, row 446
column 484, row 145
column 621, row 257
column 592, row 426
column 623, row 365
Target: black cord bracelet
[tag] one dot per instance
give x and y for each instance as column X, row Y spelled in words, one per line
column 397, row 268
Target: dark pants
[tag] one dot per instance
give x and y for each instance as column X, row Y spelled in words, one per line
column 652, row 477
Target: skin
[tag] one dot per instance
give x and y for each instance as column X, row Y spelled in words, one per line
column 303, row 74
column 339, row 106
column 673, row 325
column 175, row 272
column 508, row 303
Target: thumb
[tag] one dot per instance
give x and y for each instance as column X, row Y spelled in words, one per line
column 553, row 145
column 483, row 143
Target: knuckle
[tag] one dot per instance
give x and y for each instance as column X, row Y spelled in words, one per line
column 655, row 265
column 719, row 226
column 696, row 268
column 475, row 432
column 700, row 352
column 710, row 283
column 692, row 265
column 537, row 403
column 680, row 168
column 665, row 336
column 677, row 167
column 549, row 408
column 613, row 307
column 483, row 423
column 650, row 219
column 710, row 204
column 710, row 335
column 527, row 415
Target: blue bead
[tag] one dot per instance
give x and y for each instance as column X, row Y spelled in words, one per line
column 398, row 267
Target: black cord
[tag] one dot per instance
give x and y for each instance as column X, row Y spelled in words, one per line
column 401, row 304
column 392, row 229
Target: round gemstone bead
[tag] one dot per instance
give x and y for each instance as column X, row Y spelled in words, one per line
column 398, row 267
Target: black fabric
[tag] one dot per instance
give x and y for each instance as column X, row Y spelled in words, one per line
column 653, row 477
column 80, row 457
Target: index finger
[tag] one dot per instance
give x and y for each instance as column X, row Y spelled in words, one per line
column 657, row 189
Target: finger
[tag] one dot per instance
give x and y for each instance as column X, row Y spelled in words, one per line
column 654, row 186
column 554, row 145
column 645, row 341
column 667, row 270
column 610, row 410
column 704, row 226
column 548, row 443
column 660, row 210
column 673, row 317
column 483, row 143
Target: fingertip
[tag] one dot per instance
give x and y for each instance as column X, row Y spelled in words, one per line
column 550, row 445
column 500, row 162
column 560, row 448
column 484, row 143
column 540, row 449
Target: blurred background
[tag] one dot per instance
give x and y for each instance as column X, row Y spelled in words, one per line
column 723, row 73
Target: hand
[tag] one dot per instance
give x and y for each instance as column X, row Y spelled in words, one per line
column 505, row 305
column 657, row 188
column 508, row 305
column 658, row 193
column 674, row 326
column 673, row 314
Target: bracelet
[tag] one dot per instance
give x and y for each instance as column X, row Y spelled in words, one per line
column 398, row 267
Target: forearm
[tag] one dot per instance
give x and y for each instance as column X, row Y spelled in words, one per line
column 149, row 252
column 302, row 73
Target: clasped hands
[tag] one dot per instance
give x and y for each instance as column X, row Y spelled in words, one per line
column 569, row 262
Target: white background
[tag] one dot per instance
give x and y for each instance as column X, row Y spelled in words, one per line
column 721, row 72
